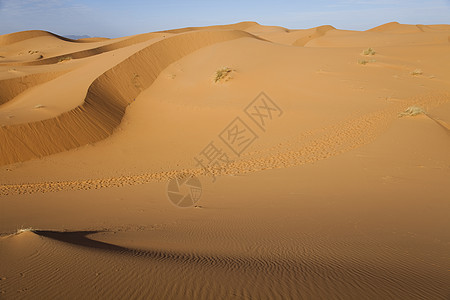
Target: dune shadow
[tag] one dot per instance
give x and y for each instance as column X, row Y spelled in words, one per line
column 80, row 238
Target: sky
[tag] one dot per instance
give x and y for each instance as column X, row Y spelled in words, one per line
column 113, row 18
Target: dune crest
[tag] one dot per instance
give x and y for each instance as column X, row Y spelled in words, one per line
column 237, row 26
column 317, row 32
column 395, row 27
column 113, row 45
column 15, row 37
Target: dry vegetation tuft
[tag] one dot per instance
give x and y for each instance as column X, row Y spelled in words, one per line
column 64, row 58
column 369, row 51
column 412, row 111
column 224, row 74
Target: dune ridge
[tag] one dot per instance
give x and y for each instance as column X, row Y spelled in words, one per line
column 15, row 37
column 396, row 27
column 106, row 100
column 237, row 26
column 90, row 52
column 318, row 32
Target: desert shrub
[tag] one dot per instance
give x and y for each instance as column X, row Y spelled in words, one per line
column 20, row 230
column 412, row 111
column 369, row 51
column 417, row 72
column 64, row 58
column 222, row 73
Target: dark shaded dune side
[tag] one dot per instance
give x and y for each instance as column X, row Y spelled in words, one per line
column 91, row 52
column 14, row 86
column 105, row 102
column 318, row 32
column 16, row 37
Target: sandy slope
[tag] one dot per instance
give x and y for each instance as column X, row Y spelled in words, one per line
column 337, row 198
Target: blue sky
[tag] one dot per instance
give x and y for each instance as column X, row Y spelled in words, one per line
column 120, row 18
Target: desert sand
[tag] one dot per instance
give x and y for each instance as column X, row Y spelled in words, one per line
column 321, row 160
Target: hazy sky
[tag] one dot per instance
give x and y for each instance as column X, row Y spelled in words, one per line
column 111, row 18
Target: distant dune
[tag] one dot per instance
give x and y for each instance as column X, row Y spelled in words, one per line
column 77, row 37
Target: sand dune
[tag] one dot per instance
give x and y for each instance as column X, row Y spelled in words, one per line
column 343, row 195
column 238, row 26
column 15, row 37
column 91, row 51
column 92, row 39
column 395, row 27
column 317, row 32
column 38, row 101
column 379, row 39
column 105, row 101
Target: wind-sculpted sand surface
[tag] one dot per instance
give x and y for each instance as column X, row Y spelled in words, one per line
column 226, row 162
